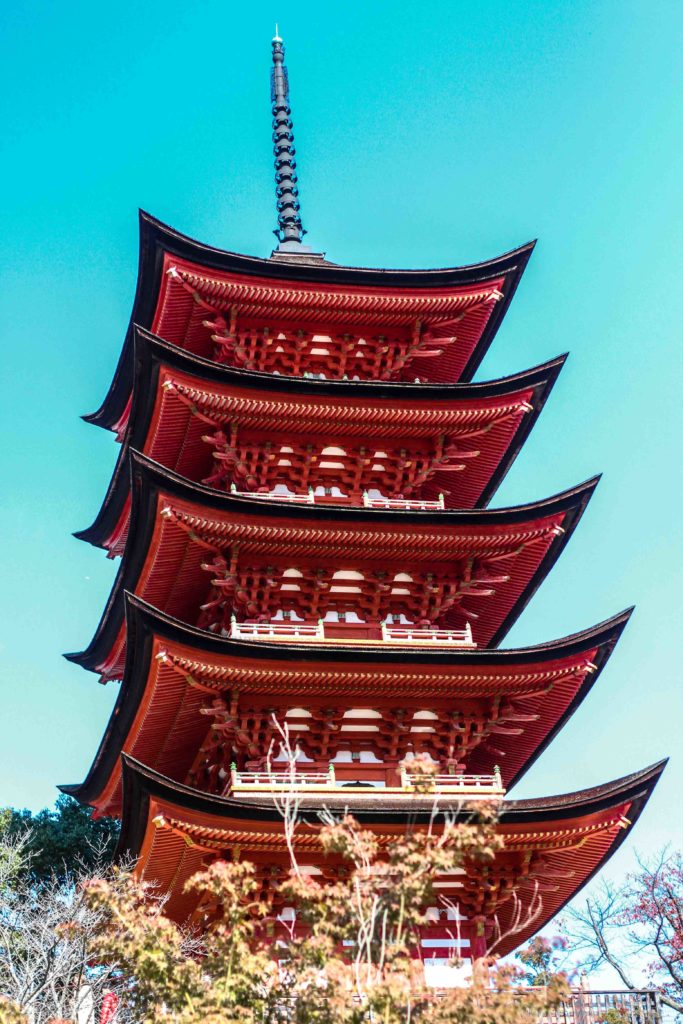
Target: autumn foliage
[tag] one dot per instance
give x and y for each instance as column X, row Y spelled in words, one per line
column 636, row 924
column 347, row 959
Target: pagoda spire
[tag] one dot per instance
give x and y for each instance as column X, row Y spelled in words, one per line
column 290, row 230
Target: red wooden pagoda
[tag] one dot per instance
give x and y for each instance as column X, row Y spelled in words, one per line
column 301, row 509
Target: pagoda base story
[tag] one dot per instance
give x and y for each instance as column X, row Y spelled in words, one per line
column 551, row 848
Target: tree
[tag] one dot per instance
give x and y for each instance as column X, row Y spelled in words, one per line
column 47, row 931
column 62, row 841
column 640, row 919
column 346, row 959
column 540, row 959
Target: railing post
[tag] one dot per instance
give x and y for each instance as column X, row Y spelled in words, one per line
column 234, row 775
column 656, row 1016
column 497, row 777
column 405, row 778
column 233, row 488
column 233, row 626
column 582, row 1001
column 331, row 777
column 383, row 627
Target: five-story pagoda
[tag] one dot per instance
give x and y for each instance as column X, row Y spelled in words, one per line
column 301, row 509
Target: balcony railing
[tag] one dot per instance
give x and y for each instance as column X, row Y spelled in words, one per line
column 405, row 504
column 242, row 782
column 276, row 630
column 417, row 635
column 310, row 498
column 490, row 784
column 351, row 632
column 483, row 786
column 641, row 1006
column 305, row 499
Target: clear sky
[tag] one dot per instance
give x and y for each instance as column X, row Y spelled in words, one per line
column 428, row 134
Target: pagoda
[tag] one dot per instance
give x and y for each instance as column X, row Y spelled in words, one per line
column 301, row 510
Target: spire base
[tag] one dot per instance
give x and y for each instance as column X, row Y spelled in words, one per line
column 293, row 245
column 292, row 252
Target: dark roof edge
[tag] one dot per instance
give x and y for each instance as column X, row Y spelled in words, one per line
column 151, row 351
column 157, row 238
column 642, row 784
column 186, row 247
column 220, row 373
column 138, row 648
column 604, row 638
column 574, row 511
column 157, row 476
column 150, row 262
column 141, row 783
column 624, row 788
column 129, row 567
column 208, row 643
column 144, row 622
column 148, row 478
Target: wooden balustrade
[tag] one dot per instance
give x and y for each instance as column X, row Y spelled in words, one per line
column 419, row 635
column 466, row 785
column 310, row 498
column 362, row 633
column 305, row 499
column 405, row 504
column 276, row 630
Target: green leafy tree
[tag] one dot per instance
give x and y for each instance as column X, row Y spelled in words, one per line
column 616, row 1015
column 61, row 841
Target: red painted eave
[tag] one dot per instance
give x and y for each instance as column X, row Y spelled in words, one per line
column 164, row 569
column 161, row 245
column 156, row 718
column 163, row 427
column 576, row 833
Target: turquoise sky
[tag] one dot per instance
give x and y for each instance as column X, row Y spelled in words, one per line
column 428, row 134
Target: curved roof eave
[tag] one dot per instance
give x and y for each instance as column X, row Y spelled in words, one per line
column 157, row 238
column 151, row 348
column 151, row 351
column 152, row 620
column 141, row 783
column 176, row 243
column 148, row 478
column 144, row 622
column 157, row 476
